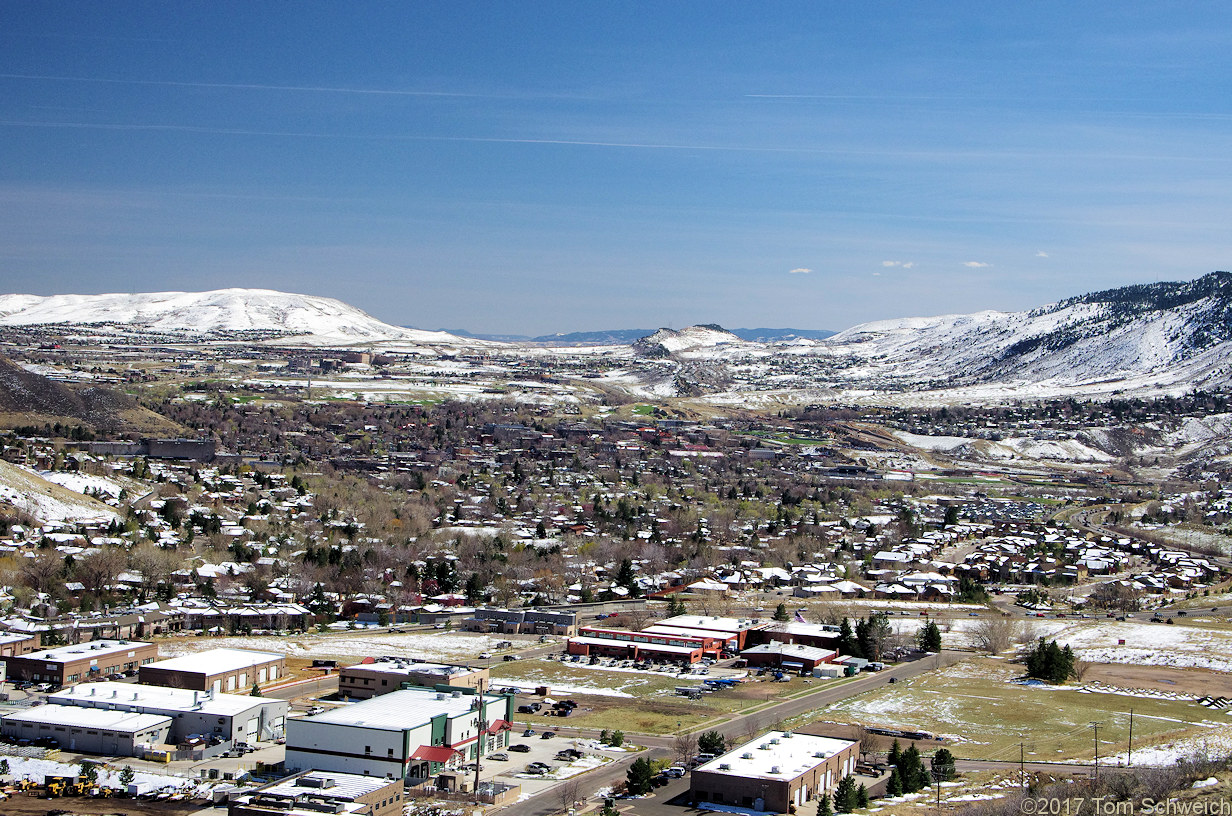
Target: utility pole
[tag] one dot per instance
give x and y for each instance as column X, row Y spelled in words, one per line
column 1130, row 762
column 483, row 727
column 1095, row 725
column 1022, row 764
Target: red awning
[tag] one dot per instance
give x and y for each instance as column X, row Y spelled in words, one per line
column 434, row 753
column 499, row 725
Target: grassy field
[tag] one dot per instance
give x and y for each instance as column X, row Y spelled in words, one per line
column 984, row 715
column 653, row 705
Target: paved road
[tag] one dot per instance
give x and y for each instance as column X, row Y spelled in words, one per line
column 659, row 746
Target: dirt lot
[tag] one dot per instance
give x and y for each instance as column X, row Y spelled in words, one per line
column 1185, row 681
column 20, row 805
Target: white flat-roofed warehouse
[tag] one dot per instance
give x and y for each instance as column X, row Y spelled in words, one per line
column 217, row 670
column 408, row 734
column 88, row 730
column 232, row 716
column 774, row 772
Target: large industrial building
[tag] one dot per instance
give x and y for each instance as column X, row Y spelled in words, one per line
column 83, row 661
column 314, row 792
column 88, row 730
column 241, row 718
column 407, row 734
column 774, row 772
column 681, row 639
column 382, row 675
column 217, row 670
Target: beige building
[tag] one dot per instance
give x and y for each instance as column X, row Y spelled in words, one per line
column 83, row 661
column 382, row 675
column 223, row 671
column 774, row 772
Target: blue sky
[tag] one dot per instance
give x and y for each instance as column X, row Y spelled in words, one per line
column 539, row 167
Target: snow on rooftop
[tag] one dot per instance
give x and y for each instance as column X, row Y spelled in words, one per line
column 790, row 753
column 402, row 710
column 125, row 721
column 136, row 695
column 217, row 661
column 79, row 651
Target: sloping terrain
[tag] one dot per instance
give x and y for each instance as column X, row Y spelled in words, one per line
column 27, row 398
column 210, row 315
column 1166, row 332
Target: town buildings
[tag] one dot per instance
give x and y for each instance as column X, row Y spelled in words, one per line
column 407, row 734
column 775, row 772
column 217, row 670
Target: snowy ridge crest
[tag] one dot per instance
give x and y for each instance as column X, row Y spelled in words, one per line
column 214, row 313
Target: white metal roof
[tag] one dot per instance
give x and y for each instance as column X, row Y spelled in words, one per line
column 81, row 651
column 791, row 754
column 344, row 785
column 125, row 721
column 216, row 661
column 405, row 709
column 133, row 695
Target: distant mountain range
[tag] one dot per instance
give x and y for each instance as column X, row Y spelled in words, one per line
column 623, row 337
column 1150, row 336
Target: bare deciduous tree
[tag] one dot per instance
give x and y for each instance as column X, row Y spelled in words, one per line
column 683, row 747
column 993, row 635
column 569, row 793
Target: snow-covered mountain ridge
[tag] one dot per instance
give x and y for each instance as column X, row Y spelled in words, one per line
column 215, row 313
column 1166, row 332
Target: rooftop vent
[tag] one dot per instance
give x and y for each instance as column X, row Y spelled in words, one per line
column 774, row 769
column 788, row 735
column 724, row 766
column 765, row 746
column 774, row 741
column 747, row 755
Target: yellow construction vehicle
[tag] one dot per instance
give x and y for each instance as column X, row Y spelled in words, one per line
column 55, row 786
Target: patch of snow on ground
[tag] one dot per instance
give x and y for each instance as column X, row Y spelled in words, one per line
column 36, row 769
column 433, row 646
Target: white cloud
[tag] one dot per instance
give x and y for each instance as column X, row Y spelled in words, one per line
column 800, row 270
column 903, row 264
column 1041, row 254
column 975, row 264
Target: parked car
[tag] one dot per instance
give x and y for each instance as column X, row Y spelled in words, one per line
column 520, row 748
column 500, row 757
column 547, row 735
column 529, row 732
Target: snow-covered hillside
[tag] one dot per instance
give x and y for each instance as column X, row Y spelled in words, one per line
column 688, row 339
column 1174, row 333
column 216, row 313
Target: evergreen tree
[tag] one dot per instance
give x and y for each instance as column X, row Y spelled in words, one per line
column 823, row 807
column 845, row 795
column 943, row 765
column 637, row 780
column 894, row 785
column 1049, row 662
column 861, row 796
column 929, row 637
column 909, row 767
column 895, row 754
column 846, row 639
column 256, row 691
column 780, row 613
column 711, row 742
